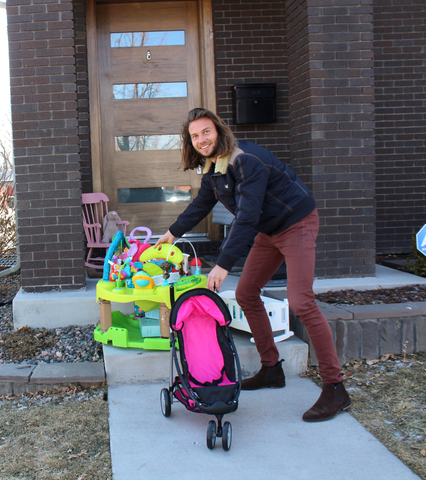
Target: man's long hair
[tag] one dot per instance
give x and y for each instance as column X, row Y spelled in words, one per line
column 226, row 142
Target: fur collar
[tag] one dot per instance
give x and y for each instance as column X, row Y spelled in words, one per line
column 221, row 165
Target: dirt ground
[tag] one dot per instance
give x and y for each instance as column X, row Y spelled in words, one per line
column 65, row 435
column 62, row 435
column 389, row 400
column 412, row 293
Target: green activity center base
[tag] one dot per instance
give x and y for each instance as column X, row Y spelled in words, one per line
column 125, row 332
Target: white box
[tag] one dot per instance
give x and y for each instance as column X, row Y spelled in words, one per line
column 278, row 313
column 150, row 327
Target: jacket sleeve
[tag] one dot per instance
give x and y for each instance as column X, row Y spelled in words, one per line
column 197, row 210
column 251, row 180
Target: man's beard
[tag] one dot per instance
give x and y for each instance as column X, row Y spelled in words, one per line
column 214, row 152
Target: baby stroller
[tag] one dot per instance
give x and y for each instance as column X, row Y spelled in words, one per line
column 208, row 369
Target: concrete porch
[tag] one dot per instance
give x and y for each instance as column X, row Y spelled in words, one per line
column 59, row 309
column 132, row 366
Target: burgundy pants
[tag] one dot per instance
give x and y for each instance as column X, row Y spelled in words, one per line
column 296, row 246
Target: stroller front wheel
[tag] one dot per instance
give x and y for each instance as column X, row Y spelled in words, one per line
column 166, row 404
column 226, row 436
column 211, row 434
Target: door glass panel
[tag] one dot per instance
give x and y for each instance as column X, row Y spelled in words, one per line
column 150, row 90
column 156, row 194
column 147, row 142
column 147, row 39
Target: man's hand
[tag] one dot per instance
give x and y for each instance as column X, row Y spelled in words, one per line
column 216, row 278
column 166, row 238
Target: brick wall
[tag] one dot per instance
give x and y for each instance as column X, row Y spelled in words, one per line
column 400, row 91
column 82, row 82
column 330, row 50
column 46, row 144
column 250, row 48
column 325, row 108
column 319, row 52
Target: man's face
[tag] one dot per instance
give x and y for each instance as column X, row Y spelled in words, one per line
column 204, row 137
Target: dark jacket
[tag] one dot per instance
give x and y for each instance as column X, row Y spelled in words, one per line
column 263, row 193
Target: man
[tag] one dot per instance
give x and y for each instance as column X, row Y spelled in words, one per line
column 266, row 196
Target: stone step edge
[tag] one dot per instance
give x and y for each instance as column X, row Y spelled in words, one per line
column 366, row 312
column 18, row 379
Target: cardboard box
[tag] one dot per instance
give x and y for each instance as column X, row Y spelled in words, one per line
column 105, row 314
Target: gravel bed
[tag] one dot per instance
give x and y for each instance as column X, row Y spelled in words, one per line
column 76, row 344
column 33, row 346
column 6, row 319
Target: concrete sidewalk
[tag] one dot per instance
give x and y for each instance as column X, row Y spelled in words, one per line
column 270, row 440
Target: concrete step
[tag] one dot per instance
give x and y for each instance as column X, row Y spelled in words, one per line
column 18, row 379
column 137, row 366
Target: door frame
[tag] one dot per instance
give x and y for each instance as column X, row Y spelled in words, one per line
column 207, row 75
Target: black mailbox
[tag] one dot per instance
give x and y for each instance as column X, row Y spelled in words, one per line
column 254, row 103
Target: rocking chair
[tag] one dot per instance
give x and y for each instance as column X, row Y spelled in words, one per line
column 95, row 207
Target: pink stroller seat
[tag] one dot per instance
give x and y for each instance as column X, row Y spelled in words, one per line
column 198, row 318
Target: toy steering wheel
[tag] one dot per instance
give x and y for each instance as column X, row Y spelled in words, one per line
column 141, row 229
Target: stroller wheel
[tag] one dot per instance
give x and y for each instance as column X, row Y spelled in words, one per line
column 166, row 404
column 211, row 434
column 226, row 436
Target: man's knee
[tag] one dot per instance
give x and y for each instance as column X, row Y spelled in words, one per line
column 302, row 306
column 240, row 297
column 248, row 299
column 244, row 297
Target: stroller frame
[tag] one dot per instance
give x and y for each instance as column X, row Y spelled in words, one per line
column 180, row 391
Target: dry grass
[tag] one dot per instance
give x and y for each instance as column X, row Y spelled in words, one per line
column 65, row 435
column 60, row 436
column 389, row 400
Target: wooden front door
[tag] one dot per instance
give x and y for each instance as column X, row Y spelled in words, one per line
column 149, row 78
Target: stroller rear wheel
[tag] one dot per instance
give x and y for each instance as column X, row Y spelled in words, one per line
column 166, row 403
column 211, row 434
column 226, row 436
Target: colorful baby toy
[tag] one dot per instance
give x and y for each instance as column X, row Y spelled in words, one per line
column 150, row 278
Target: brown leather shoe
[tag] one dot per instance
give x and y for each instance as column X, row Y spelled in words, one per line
column 333, row 398
column 266, row 377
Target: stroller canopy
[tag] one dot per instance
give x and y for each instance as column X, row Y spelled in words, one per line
column 199, row 318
